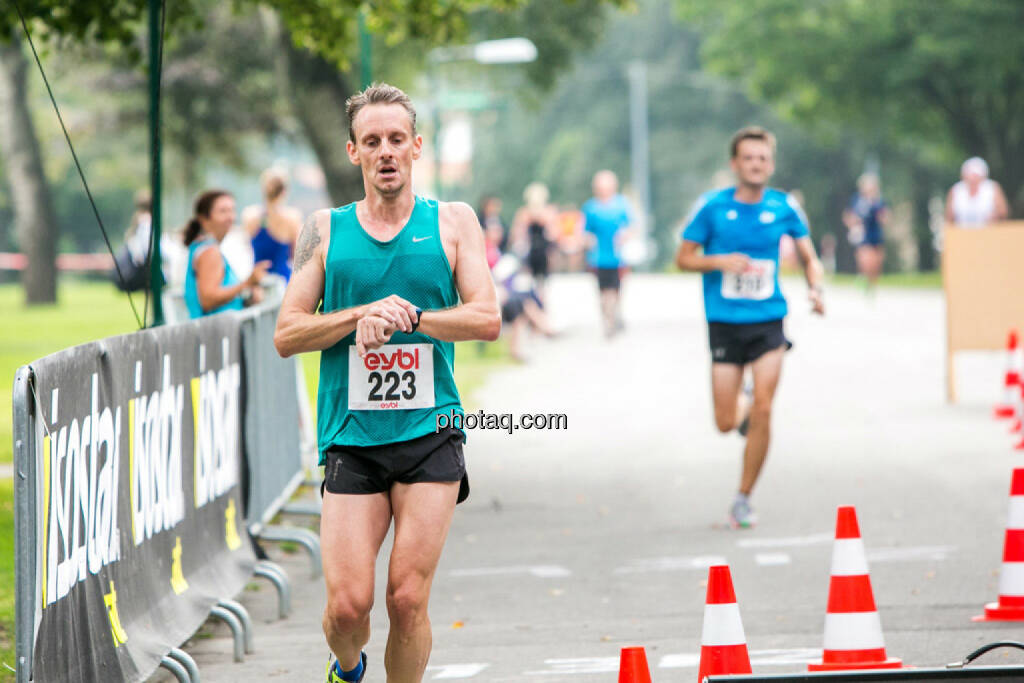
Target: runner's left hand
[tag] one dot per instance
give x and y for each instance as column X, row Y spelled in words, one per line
column 817, row 301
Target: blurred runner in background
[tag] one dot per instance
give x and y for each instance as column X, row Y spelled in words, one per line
column 732, row 236
column 607, row 219
column 865, row 218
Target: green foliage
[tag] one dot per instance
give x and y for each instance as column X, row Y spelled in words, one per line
column 582, row 125
column 937, row 80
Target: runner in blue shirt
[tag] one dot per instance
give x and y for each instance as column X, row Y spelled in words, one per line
column 732, row 237
column 865, row 218
column 606, row 219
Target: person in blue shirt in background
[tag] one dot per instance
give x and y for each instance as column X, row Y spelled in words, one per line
column 732, row 237
column 865, row 218
column 607, row 219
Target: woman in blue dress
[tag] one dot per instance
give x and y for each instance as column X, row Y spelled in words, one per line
column 274, row 226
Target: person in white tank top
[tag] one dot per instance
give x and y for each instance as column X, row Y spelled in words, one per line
column 976, row 200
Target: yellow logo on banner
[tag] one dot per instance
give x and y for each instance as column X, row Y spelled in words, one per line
column 230, row 527
column 110, row 600
column 178, row 582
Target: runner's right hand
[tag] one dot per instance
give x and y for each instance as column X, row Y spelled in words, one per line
column 372, row 332
column 733, row 263
column 393, row 309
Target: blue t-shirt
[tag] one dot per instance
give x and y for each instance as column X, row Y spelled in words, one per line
column 604, row 220
column 723, row 225
column 195, row 310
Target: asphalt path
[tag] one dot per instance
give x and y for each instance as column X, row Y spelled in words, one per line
column 575, row 543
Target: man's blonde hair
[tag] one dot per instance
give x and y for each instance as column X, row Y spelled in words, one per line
column 750, row 133
column 378, row 93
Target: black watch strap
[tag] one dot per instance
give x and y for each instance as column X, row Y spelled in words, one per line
column 419, row 314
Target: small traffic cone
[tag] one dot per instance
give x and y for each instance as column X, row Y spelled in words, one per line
column 853, row 629
column 1011, row 578
column 633, row 666
column 1012, row 377
column 723, row 647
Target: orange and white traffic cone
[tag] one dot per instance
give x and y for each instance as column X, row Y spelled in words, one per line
column 1011, row 578
column 1012, row 377
column 723, row 647
column 853, row 629
column 633, row 666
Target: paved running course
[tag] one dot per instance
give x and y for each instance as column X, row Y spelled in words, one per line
column 574, row 544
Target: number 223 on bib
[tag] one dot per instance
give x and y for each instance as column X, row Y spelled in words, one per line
column 393, row 377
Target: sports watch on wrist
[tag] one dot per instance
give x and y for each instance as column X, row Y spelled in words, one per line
column 419, row 314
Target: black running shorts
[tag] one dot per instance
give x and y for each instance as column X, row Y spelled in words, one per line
column 375, row 469
column 608, row 278
column 745, row 343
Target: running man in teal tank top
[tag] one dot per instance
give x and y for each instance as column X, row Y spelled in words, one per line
column 397, row 279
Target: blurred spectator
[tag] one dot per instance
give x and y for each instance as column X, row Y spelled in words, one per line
column 495, row 235
column 533, row 232
column 273, row 227
column 570, row 238
column 865, row 218
column 520, row 304
column 211, row 285
column 976, row 200
column 133, row 257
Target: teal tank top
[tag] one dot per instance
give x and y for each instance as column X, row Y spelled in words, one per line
column 384, row 398
column 192, row 291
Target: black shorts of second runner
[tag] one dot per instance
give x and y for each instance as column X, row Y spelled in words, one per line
column 739, row 344
column 375, row 469
column 608, row 278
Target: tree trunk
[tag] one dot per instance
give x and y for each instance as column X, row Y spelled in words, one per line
column 318, row 91
column 23, row 166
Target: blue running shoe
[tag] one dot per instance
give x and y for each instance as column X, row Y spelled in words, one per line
column 332, row 671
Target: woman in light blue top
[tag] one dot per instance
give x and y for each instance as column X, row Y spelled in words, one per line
column 210, row 284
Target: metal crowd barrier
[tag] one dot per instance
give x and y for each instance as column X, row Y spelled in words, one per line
column 126, row 490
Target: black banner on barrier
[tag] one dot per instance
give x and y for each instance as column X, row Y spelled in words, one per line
column 140, row 528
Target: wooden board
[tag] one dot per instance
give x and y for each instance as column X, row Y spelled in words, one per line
column 983, row 279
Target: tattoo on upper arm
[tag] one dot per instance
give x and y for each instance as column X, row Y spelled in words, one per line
column 309, row 238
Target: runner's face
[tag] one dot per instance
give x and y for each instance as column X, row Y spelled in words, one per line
column 754, row 163
column 385, row 147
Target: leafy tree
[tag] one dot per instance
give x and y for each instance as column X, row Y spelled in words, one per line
column 935, row 81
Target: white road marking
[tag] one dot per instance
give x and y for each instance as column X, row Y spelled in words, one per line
column 922, row 552
column 787, row 542
column 669, row 564
column 456, row 670
column 772, row 559
column 757, row 658
column 578, row 665
column 544, row 571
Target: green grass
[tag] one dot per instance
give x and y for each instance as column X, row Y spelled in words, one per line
column 911, row 280
column 86, row 311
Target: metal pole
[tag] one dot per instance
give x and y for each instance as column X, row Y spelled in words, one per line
column 639, row 143
column 25, row 523
column 156, row 278
column 365, row 51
